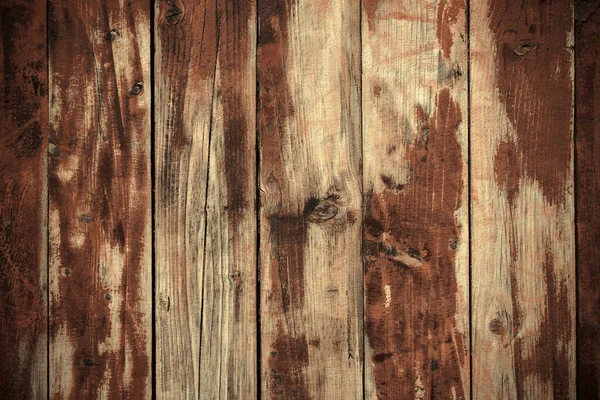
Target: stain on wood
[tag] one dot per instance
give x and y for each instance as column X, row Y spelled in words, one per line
column 309, row 130
column 100, row 209
column 23, row 192
column 522, row 199
column 587, row 133
column 206, row 182
column 410, row 283
column 415, row 188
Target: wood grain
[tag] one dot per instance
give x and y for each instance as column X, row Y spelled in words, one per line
column 100, row 200
column 587, row 133
column 310, row 204
column 23, row 199
column 206, row 238
column 523, row 260
column 416, row 237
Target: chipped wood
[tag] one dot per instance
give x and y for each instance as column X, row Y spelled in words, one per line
column 100, row 209
column 23, row 198
column 523, row 276
column 309, row 126
column 206, row 200
column 416, row 238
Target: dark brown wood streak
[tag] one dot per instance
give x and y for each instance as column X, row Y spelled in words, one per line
column 287, row 355
column 409, row 248
column 99, row 188
column 587, row 125
column 23, row 191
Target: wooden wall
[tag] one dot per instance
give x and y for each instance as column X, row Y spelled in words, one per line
column 299, row 199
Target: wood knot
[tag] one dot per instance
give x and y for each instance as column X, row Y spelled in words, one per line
column 523, row 47
column 319, row 211
column 453, row 243
column 390, row 184
column 165, row 303
column 136, row 89
column 85, row 218
column 53, row 150
column 108, row 296
column 174, row 14
column 88, row 362
column 67, row 272
column 112, row 35
column 234, row 275
column 497, row 326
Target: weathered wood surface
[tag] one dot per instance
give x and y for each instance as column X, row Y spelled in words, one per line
column 587, row 134
column 333, row 150
column 23, row 193
column 523, row 260
column 100, row 200
column 416, row 236
column 310, row 205
column 206, row 235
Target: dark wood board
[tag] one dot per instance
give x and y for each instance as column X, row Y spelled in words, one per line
column 100, row 215
column 23, row 199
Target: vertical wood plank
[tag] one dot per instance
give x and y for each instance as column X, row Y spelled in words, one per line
column 310, row 184
column 587, row 125
column 416, row 237
column 100, row 200
column 23, row 199
column 523, row 277
column 206, row 250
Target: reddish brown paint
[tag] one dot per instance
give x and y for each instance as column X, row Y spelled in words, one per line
column 370, row 8
column 550, row 361
column 239, row 160
column 23, row 145
column 410, row 245
column 287, row 357
column 534, row 80
column 447, row 16
column 587, row 125
column 116, row 214
column 533, row 63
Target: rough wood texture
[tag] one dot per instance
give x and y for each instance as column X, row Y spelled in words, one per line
column 100, row 200
column 310, row 183
column 416, row 238
column 587, row 131
column 523, row 282
column 23, row 193
column 206, row 239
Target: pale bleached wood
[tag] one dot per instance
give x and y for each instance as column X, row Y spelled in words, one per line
column 523, row 263
column 100, row 200
column 414, row 62
column 310, row 182
column 206, row 200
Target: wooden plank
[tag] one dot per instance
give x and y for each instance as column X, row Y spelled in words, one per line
column 523, row 276
column 587, row 131
column 206, row 250
column 23, row 199
column 100, row 200
column 310, row 143
column 416, row 235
